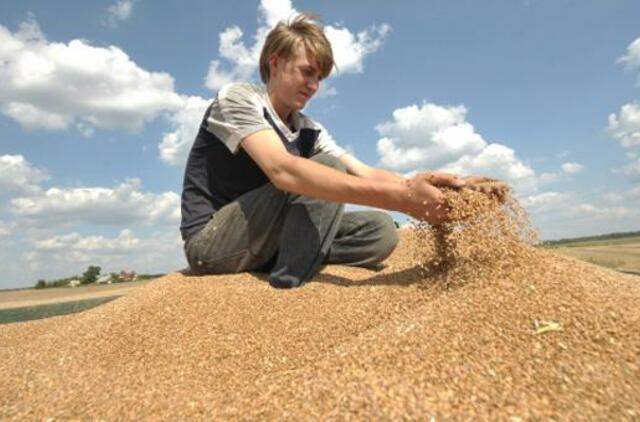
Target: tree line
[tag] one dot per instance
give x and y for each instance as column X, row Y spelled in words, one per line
column 91, row 275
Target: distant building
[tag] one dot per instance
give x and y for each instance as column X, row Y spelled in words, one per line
column 74, row 283
column 128, row 275
column 104, row 279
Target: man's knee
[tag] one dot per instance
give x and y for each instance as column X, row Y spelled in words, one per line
column 329, row 161
column 390, row 236
column 387, row 238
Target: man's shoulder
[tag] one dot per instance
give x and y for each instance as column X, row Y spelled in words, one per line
column 240, row 90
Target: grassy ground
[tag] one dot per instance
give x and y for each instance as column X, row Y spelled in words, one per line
column 45, row 311
column 619, row 254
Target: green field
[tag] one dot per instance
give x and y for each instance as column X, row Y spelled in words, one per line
column 620, row 254
column 45, row 311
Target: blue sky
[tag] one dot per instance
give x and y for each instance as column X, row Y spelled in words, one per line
column 100, row 100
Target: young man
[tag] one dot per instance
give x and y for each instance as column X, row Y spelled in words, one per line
column 265, row 185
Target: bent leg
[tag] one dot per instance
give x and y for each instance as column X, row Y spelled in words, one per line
column 308, row 231
column 267, row 225
column 364, row 239
column 241, row 236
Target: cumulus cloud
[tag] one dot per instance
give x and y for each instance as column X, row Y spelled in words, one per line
column 66, row 254
column 632, row 170
column 547, row 201
column 124, row 243
column 613, row 197
column 239, row 62
column 6, row 228
column 568, row 168
column 175, row 145
column 599, row 212
column 19, row 176
column 572, row 168
column 625, row 127
column 631, row 60
column 121, row 205
column 432, row 136
column 62, row 255
column 350, row 49
column 118, row 12
column 426, row 136
column 549, row 177
column 54, row 86
column 497, row 160
column 33, row 118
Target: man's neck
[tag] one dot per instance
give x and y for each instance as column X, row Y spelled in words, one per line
column 283, row 111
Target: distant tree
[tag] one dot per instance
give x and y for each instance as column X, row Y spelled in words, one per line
column 91, row 275
column 115, row 277
column 41, row 284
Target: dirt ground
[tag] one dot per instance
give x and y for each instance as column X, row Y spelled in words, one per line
column 33, row 297
column 553, row 339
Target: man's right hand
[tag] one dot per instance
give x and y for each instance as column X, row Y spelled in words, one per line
column 425, row 201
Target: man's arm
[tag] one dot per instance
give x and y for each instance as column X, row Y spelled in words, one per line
column 287, row 172
column 486, row 185
column 360, row 169
column 436, row 178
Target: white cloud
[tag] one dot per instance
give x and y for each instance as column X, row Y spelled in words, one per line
column 121, row 205
column 572, row 168
column 67, row 254
column 631, row 60
column 625, row 127
column 547, row 201
column 349, row 49
column 17, row 175
column 568, row 168
column 432, row 136
column 599, row 212
column 118, row 12
column 496, row 160
column 613, row 197
column 124, row 243
column 632, row 170
column 426, row 136
column 50, row 85
column 32, row 118
column 239, row 62
column 175, row 145
column 634, row 193
column 6, row 228
column 549, row 177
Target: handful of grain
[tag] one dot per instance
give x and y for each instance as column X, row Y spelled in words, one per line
column 487, row 236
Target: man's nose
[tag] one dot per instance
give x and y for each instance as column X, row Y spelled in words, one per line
column 313, row 84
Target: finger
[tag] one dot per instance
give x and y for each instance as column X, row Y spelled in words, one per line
column 458, row 183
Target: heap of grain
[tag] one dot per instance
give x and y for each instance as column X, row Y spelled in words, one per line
column 481, row 326
column 488, row 236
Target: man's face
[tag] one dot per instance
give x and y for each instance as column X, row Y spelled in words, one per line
column 294, row 81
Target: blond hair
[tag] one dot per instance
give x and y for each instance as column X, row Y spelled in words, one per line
column 287, row 35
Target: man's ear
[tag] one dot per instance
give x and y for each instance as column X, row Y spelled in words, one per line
column 274, row 62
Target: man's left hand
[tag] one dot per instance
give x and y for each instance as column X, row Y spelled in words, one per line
column 442, row 179
column 488, row 186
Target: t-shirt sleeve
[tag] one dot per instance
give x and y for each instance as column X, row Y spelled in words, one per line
column 325, row 143
column 236, row 113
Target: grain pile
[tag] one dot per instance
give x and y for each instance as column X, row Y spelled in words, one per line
column 491, row 328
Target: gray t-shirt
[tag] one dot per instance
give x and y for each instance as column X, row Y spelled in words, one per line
column 239, row 110
column 218, row 169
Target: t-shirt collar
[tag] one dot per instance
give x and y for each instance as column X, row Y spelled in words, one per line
column 298, row 119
